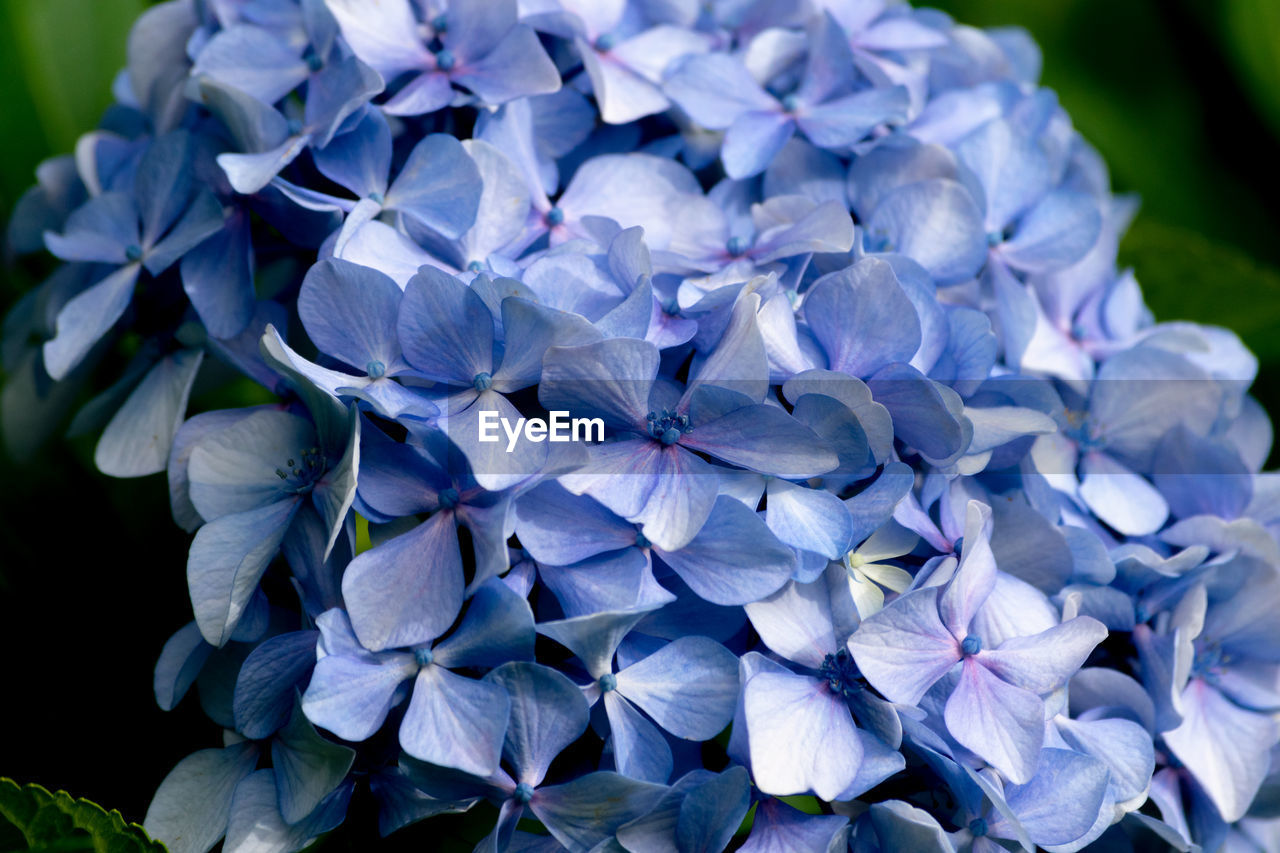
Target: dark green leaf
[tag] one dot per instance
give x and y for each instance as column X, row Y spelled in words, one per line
column 1186, row 276
column 1251, row 29
column 48, row 822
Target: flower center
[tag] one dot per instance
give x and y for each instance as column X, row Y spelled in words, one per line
column 971, row 644
column 375, row 369
column 840, row 673
column 523, row 793
column 736, row 246
column 978, row 827
column 791, row 103
column 423, row 656
column 301, row 475
column 555, row 216
column 449, row 498
column 606, row 42
column 607, row 682
column 642, row 541
column 668, row 426
column 482, row 382
column 475, row 266
column 133, row 252
column 445, row 60
column 1209, row 662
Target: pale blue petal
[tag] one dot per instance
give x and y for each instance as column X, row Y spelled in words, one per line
column 190, row 809
column 407, row 590
column 548, row 712
column 689, row 687
column 455, row 721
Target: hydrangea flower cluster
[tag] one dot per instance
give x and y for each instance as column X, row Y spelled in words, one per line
column 888, row 491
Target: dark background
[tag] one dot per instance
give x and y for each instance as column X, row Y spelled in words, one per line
column 1181, row 97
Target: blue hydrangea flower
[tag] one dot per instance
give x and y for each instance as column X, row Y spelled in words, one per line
column 897, row 479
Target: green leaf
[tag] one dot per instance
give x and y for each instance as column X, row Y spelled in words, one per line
column 1185, row 276
column 49, row 822
column 1251, row 29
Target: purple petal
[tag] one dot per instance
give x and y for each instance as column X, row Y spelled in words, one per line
column 137, row 440
column 1123, row 499
column 610, row 379
column 763, row 438
column 809, row 519
column 498, row 627
column 517, row 67
column 594, row 638
column 779, row 828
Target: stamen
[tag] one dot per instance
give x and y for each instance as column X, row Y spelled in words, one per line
column 668, row 427
column 971, row 644
column 841, row 674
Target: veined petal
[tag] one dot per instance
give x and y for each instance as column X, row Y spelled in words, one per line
column 905, row 648
column 1001, row 723
column 639, row 749
column 453, row 721
column 802, row 737
column 1045, row 661
column 409, row 589
column 228, row 557
column 689, row 686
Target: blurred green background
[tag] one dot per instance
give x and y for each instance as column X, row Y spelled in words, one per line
column 1182, row 97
